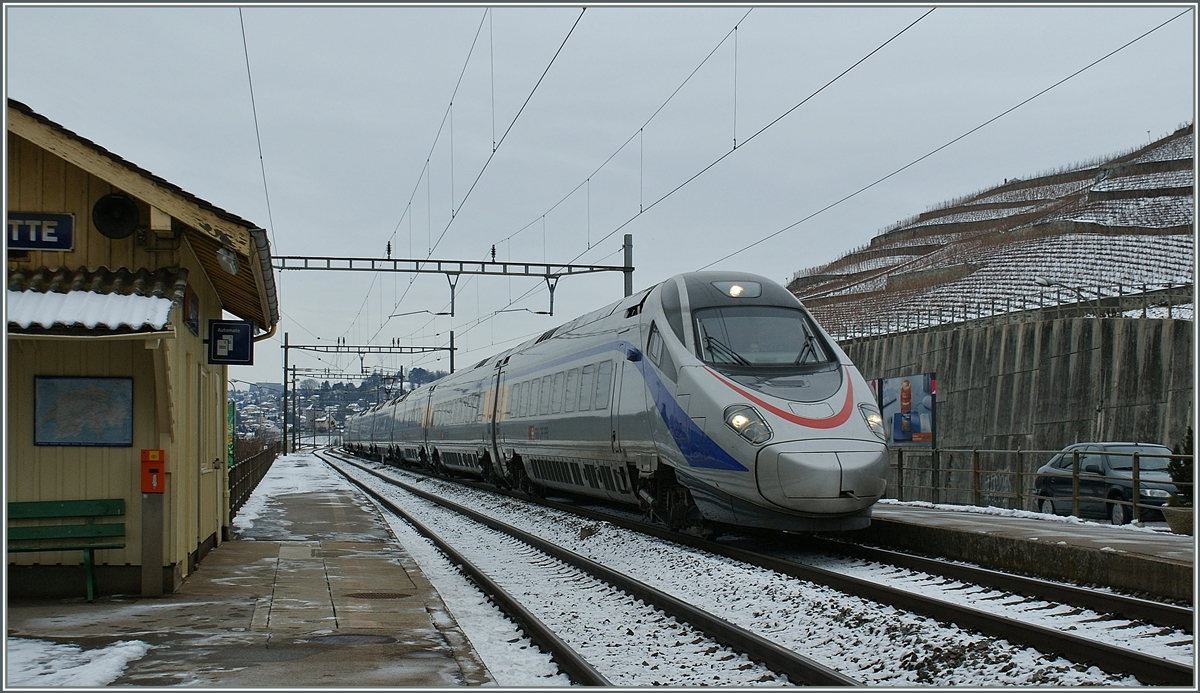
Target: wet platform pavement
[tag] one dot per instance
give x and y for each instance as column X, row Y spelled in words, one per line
column 316, row 593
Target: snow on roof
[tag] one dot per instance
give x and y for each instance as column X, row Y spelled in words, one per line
column 88, row 309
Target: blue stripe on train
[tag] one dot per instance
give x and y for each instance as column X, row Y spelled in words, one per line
column 698, row 449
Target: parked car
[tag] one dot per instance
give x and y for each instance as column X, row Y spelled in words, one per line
column 1105, row 479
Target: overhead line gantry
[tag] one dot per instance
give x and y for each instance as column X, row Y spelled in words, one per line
column 453, row 269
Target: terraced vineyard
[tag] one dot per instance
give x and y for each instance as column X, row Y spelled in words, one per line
column 1123, row 227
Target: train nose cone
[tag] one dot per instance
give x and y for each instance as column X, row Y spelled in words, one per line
column 829, row 476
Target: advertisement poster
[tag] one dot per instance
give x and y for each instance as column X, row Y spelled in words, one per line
column 908, row 404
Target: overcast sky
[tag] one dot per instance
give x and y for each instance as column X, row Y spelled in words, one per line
column 350, row 103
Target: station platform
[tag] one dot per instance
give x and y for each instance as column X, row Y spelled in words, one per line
column 1147, row 561
column 315, row 593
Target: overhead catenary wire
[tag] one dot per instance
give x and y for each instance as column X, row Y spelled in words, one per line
column 630, row 139
column 433, row 246
column 587, row 182
column 786, row 113
column 257, row 135
column 973, row 130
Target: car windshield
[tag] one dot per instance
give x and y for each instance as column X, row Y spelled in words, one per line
column 1121, row 457
column 758, row 336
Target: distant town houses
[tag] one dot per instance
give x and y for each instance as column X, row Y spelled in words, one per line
column 317, row 407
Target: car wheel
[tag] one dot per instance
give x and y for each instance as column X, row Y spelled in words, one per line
column 1046, row 506
column 1118, row 514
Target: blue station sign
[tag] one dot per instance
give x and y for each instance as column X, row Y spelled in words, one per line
column 231, row 342
column 41, row 231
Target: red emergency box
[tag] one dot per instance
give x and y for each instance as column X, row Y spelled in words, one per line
column 153, row 471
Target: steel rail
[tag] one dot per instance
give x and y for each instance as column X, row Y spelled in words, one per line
column 1134, row 608
column 570, row 661
column 797, row 667
column 1108, row 658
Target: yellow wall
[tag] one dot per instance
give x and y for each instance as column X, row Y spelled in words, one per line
column 194, row 504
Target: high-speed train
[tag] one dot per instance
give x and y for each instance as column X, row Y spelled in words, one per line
column 712, row 398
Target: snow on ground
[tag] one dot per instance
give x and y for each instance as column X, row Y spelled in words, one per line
column 1184, row 311
column 874, row 643
column 1147, row 181
column 1157, row 528
column 44, row 664
column 289, row 474
column 1178, row 148
column 512, row 658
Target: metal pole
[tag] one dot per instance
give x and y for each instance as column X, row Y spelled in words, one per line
column 451, row 351
column 935, row 475
column 284, row 408
column 295, row 411
column 1075, row 483
column 1137, row 489
column 1020, row 481
column 628, row 264
column 975, row 474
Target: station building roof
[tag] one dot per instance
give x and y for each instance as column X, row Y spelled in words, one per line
column 250, row 294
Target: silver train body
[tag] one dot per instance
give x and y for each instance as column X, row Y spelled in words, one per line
column 711, row 398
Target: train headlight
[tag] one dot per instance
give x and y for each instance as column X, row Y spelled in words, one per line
column 748, row 423
column 874, row 420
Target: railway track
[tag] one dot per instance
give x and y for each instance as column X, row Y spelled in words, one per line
column 711, row 630
column 1147, row 668
column 1133, row 608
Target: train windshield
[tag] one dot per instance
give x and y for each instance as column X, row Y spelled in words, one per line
column 758, row 337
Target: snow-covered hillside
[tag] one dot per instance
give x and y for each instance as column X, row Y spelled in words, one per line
column 1120, row 229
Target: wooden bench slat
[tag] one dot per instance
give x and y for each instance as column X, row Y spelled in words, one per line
column 68, row 537
column 115, row 529
column 75, row 508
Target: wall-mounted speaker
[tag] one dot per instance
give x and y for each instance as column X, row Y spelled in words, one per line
column 115, row 215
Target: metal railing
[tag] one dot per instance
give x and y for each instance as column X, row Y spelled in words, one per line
column 856, row 320
column 245, row 474
column 1007, row 478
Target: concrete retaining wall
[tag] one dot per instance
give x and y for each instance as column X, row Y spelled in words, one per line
column 1044, row 384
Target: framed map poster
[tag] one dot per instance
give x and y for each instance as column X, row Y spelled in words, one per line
column 82, row 411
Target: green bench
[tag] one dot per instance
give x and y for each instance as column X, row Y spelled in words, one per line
column 89, row 535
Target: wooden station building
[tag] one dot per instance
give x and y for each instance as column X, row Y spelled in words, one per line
column 113, row 277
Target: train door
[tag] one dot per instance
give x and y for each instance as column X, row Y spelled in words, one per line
column 631, row 435
column 496, row 409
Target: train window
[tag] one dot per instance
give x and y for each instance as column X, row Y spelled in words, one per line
column 672, row 308
column 654, row 345
column 522, row 399
column 572, row 392
column 585, row 387
column 544, row 395
column 603, row 384
column 758, row 336
column 556, row 395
